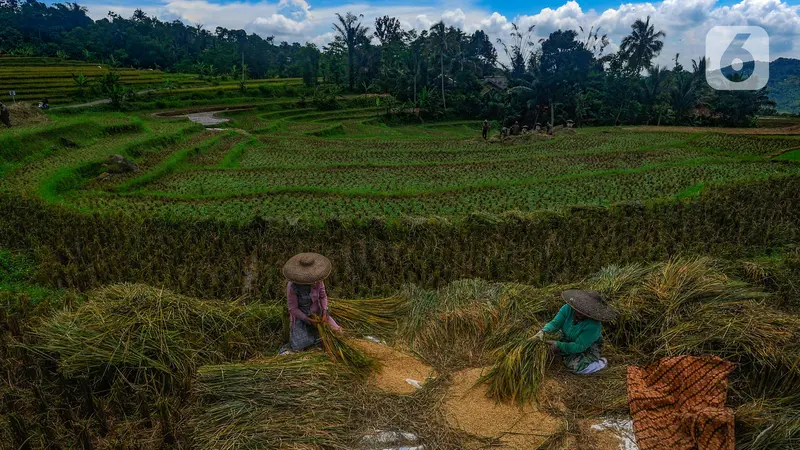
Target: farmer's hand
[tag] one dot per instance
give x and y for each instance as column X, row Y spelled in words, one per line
column 553, row 347
column 539, row 335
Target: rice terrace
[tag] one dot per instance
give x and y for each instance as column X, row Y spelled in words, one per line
column 398, row 241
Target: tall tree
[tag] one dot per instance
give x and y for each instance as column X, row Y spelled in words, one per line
column 439, row 43
column 654, row 86
column 642, row 45
column 519, row 50
column 388, row 29
column 351, row 31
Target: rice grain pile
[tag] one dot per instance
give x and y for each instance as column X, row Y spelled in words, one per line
column 396, row 367
column 469, row 408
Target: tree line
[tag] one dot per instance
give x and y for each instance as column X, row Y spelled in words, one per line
column 441, row 71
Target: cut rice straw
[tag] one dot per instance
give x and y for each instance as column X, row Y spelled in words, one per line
column 373, row 316
column 519, row 370
column 343, row 353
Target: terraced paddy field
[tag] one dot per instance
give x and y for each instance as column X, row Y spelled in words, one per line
column 349, row 164
column 34, row 78
column 211, row 210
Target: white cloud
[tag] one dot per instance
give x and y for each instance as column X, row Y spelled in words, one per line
column 686, row 22
column 278, row 24
column 454, row 18
column 298, row 9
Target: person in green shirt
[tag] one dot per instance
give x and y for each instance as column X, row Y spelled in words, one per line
column 579, row 323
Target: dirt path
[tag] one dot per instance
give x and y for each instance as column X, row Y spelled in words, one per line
column 204, row 116
column 98, row 102
column 207, row 118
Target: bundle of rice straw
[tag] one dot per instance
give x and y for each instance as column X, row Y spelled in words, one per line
column 520, row 369
column 373, row 316
column 144, row 331
column 343, row 353
column 301, row 401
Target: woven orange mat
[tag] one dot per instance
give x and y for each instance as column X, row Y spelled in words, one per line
column 679, row 403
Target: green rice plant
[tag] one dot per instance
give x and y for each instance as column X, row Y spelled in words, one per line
column 298, row 400
column 342, row 353
column 519, row 370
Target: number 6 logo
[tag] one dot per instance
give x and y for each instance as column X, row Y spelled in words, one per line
column 738, row 58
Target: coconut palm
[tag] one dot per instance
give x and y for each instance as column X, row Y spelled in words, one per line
column 642, row 45
column 439, row 42
column 653, row 88
column 351, row 31
column 412, row 57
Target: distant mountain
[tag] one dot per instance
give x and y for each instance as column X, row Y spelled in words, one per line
column 783, row 85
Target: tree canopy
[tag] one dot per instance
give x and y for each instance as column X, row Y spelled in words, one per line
column 439, row 71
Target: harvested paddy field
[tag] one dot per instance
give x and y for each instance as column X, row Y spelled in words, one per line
column 203, row 373
column 140, row 277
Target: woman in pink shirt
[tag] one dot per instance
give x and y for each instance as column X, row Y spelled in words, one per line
column 306, row 296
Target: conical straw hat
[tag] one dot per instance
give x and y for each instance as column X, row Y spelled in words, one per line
column 590, row 304
column 307, row 268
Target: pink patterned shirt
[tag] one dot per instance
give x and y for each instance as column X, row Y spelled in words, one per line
column 319, row 304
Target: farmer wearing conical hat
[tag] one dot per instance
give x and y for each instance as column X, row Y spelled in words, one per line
column 306, row 296
column 579, row 322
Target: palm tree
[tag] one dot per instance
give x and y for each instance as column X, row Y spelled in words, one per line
column 642, row 45
column 413, row 62
column 653, row 87
column 683, row 97
column 351, row 31
column 439, row 41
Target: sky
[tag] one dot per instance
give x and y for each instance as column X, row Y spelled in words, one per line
column 685, row 22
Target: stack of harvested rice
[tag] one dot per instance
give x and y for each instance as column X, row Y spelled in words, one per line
column 298, row 400
column 143, row 331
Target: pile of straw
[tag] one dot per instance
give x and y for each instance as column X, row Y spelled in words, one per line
column 145, row 331
column 296, row 400
column 691, row 306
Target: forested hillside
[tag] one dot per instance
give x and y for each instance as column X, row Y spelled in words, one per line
column 439, row 72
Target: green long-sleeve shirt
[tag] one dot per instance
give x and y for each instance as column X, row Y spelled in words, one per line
column 577, row 337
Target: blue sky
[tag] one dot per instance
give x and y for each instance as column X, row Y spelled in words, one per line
column 686, row 22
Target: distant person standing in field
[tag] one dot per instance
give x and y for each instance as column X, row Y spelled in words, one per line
column 485, row 129
column 515, row 128
column 579, row 324
column 306, row 296
column 5, row 115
